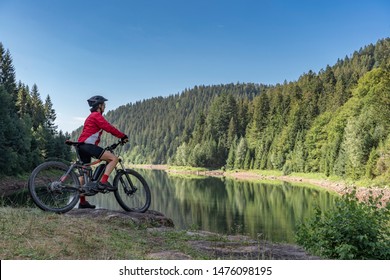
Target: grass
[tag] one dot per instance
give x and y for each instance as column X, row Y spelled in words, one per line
column 187, row 168
column 377, row 182
column 33, row 234
column 29, row 233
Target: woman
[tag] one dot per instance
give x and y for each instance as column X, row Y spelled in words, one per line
column 93, row 128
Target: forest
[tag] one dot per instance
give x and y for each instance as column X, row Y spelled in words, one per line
column 28, row 134
column 334, row 122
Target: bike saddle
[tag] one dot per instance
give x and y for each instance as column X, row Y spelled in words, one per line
column 72, row 143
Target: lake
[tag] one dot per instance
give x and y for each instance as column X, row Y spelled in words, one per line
column 266, row 210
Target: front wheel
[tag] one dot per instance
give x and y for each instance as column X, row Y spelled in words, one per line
column 133, row 193
column 51, row 190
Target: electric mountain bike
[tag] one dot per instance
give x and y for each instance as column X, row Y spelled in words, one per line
column 55, row 186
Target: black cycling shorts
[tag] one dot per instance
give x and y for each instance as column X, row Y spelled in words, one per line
column 87, row 151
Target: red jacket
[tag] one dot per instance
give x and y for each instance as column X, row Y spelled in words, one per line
column 93, row 129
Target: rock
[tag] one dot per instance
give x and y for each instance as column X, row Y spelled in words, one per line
column 149, row 218
column 252, row 250
column 213, row 244
column 243, row 247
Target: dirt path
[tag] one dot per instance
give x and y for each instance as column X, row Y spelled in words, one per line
column 10, row 185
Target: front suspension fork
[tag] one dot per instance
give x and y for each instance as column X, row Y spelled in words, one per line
column 129, row 187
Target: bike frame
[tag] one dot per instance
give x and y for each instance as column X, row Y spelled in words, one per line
column 85, row 170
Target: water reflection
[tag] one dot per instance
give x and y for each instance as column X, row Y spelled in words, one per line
column 230, row 206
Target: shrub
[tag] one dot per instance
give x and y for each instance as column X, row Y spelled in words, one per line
column 351, row 230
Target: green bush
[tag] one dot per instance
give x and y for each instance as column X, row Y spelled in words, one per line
column 351, row 230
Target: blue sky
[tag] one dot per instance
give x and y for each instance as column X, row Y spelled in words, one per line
column 133, row 50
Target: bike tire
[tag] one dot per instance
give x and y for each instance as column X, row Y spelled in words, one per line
column 59, row 199
column 139, row 201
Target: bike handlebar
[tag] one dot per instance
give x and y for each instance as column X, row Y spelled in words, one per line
column 113, row 146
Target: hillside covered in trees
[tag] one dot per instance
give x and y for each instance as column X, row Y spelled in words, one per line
column 335, row 122
column 28, row 134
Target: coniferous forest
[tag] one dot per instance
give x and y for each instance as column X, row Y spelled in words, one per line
column 28, row 134
column 335, row 122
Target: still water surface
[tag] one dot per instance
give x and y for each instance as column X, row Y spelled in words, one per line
column 267, row 210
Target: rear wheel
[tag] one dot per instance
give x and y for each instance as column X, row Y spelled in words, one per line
column 133, row 193
column 50, row 191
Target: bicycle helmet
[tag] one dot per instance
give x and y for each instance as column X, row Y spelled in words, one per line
column 94, row 101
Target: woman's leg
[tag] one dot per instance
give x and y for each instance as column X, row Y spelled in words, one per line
column 83, row 202
column 112, row 161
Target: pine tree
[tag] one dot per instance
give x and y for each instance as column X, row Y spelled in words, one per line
column 2, row 52
column 38, row 116
column 248, row 160
column 7, row 75
column 50, row 116
column 23, row 102
column 12, row 137
column 241, row 153
column 232, row 154
column 232, row 132
column 27, row 130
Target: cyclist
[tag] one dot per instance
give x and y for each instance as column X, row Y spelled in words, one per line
column 90, row 137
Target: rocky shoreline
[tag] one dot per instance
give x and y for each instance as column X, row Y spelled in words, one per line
column 215, row 245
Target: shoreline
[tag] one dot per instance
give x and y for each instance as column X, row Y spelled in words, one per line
column 339, row 187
